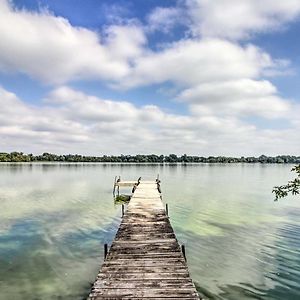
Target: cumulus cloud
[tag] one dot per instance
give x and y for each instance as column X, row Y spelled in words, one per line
column 26, row 124
column 125, row 41
column 214, row 75
column 239, row 97
column 50, row 49
column 235, row 19
column 72, row 121
column 190, row 62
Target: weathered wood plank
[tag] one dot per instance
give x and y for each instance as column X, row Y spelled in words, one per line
column 145, row 276
column 140, row 293
column 137, row 236
column 155, row 256
column 184, row 283
column 145, row 260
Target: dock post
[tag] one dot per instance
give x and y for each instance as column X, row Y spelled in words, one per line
column 139, row 180
column 122, row 210
column 183, row 251
column 158, row 186
column 119, row 179
column 114, row 185
column 167, row 209
column 105, row 250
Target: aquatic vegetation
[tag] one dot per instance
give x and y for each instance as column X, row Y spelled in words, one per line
column 122, row 199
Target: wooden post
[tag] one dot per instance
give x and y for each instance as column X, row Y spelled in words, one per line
column 122, row 210
column 115, row 185
column 183, row 251
column 134, row 188
column 105, row 250
column 167, row 209
column 119, row 179
column 158, row 188
column 139, row 180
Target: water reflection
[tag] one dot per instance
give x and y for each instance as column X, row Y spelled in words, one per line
column 55, row 218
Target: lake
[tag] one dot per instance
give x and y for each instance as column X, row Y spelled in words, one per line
column 240, row 244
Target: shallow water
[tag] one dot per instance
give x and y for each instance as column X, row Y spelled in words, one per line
column 55, row 218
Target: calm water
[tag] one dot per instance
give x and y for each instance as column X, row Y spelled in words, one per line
column 55, row 218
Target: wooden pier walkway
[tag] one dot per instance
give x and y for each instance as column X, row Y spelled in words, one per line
column 145, row 260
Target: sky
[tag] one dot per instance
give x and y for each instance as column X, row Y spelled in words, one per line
column 201, row 77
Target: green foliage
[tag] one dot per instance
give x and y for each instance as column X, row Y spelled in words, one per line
column 15, row 157
column 151, row 158
column 122, row 199
column 292, row 187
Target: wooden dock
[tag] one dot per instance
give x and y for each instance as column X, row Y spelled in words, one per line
column 145, row 260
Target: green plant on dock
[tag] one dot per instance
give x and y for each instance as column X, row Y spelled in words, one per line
column 122, row 199
column 292, row 187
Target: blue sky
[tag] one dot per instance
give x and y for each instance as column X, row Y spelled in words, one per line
column 188, row 76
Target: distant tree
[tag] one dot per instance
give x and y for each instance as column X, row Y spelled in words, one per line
column 172, row 158
column 184, row 158
column 4, row 157
column 292, row 187
column 151, row 158
column 161, row 158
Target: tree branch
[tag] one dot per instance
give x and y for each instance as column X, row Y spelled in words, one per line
column 292, row 187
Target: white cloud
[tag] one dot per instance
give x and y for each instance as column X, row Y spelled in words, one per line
column 235, row 19
column 215, row 76
column 191, row 62
column 50, row 49
column 125, row 41
column 237, row 97
column 29, row 123
column 71, row 121
column 229, row 90
column 165, row 18
column 76, row 105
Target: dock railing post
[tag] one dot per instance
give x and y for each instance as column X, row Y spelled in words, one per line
column 114, row 185
column 105, row 250
column 119, row 179
column 158, row 183
column 122, row 210
column 183, row 251
column 167, row 209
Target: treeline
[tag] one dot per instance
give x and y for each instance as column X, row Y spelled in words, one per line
column 152, row 158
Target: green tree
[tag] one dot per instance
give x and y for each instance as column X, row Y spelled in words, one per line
column 292, row 187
